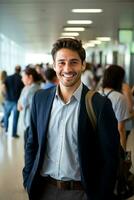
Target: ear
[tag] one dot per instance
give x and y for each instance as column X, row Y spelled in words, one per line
column 84, row 66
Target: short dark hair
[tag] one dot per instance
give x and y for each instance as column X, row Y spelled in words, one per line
column 17, row 69
column 69, row 43
column 50, row 74
column 113, row 77
column 31, row 71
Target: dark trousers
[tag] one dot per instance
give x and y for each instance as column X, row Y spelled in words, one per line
column 9, row 107
column 51, row 192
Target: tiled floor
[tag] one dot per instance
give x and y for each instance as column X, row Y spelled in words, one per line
column 11, row 164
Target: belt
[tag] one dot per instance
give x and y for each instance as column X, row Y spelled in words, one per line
column 64, row 185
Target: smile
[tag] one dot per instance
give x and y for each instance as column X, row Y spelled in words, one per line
column 70, row 75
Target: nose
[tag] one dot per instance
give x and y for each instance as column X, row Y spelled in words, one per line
column 67, row 67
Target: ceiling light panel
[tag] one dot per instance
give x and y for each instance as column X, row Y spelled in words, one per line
column 67, row 37
column 86, row 45
column 87, row 10
column 74, row 29
column 70, row 34
column 104, row 39
column 95, row 41
column 79, row 22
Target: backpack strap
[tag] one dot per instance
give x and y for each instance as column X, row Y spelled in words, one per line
column 108, row 92
column 89, row 107
column 90, row 110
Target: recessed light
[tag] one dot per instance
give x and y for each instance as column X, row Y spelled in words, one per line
column 87, row 10
column 95, row 41
column 79, row 22
column 86, row 45
column 74, row 29
column 67, row 37
column 70, row 34
column 104, row 39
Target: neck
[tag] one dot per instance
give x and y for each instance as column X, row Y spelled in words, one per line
column 107, row 89
column 67, row 92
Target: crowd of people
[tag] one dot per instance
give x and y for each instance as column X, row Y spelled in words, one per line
column 18, row 89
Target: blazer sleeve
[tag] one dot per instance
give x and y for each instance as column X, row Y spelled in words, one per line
column 109, row 146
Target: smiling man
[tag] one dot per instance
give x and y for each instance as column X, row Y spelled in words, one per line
column 64, row 158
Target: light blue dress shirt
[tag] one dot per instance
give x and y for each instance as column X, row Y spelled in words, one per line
column 61, row 156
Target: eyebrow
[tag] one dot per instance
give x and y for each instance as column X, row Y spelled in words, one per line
column 73, row 59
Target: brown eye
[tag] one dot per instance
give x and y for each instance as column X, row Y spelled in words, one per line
column 61, row 63
column 73, row 62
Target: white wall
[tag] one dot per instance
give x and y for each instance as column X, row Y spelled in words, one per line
column 11, row 54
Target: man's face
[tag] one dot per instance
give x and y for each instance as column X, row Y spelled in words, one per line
column 68, row 67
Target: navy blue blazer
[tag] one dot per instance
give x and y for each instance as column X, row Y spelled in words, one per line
column 14, row 86
column 97, row 150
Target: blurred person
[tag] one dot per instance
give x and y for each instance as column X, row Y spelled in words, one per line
column 3, row 76
column 132, row 90
column 63, row 153
column 99, row 71
column 126, row 90
column 51, row 79
column 12, row 87
column 130, row 148
column 30, row 79
column 47, row 65
column 87, row 76
column 112, row 88
column 40, row 70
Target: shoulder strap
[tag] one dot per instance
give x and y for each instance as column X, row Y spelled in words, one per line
column 109, row 93
column 89, row 107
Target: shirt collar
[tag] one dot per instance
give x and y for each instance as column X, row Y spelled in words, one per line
column 76, row 94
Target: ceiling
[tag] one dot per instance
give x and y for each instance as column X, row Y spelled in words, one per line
column 36, row 24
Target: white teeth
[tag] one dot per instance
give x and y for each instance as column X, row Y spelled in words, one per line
column 68, row 75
